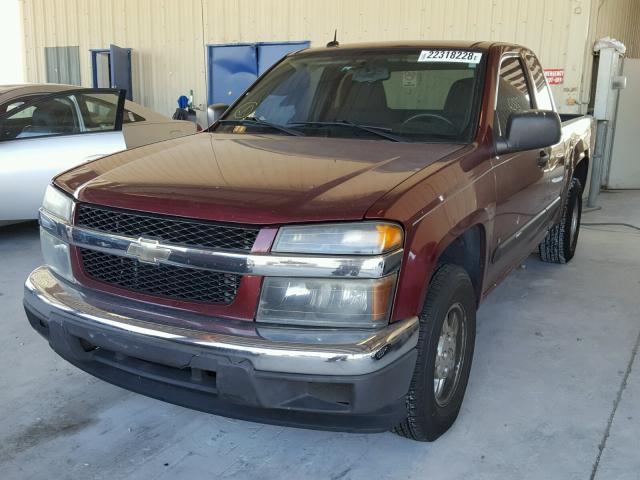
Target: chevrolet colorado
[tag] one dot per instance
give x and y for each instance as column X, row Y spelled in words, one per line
column 317, row 256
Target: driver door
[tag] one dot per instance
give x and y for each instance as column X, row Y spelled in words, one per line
column 48, row 135
column 521, row 185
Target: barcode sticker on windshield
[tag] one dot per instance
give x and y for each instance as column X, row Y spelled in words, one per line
column 455, row 56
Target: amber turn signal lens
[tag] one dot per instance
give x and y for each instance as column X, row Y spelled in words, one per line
column 390, row 236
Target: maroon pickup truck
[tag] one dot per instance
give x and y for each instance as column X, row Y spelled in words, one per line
column 316, row 258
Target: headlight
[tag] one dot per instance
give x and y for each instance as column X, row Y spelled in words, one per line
column 56, row 255
column 57, row 203
column 362, row 238
column 55, row 251
column 357, row 303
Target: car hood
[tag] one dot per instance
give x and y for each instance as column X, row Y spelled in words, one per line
column 256, row 179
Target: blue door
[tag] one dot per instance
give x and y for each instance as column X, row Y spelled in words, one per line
column 271, row 52
column 120, row 62
column 232, row 69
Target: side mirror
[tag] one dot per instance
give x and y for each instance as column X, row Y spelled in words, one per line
column 215, row 111
column 530, row 130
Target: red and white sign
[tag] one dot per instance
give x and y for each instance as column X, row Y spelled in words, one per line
column 554, row 76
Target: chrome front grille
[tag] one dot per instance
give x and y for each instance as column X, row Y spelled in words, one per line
column 170, row 229
column 159, row 279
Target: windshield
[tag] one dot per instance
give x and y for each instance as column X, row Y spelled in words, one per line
column 398, row 95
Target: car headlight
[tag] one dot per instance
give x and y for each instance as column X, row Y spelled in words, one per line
column 332, row 302
column 56, row 255
column 54, row 250
column 348, row 302
column 362, row 238
column 57, row 203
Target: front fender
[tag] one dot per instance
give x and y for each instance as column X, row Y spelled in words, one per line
column 436, row 207
column 427, row 247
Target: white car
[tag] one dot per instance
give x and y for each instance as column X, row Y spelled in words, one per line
column 48, row 128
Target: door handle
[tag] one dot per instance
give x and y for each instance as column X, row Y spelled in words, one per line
column 543, row 159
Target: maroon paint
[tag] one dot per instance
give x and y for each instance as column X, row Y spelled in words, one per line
column 264, row 240
column 437, row 191
column 257, row 179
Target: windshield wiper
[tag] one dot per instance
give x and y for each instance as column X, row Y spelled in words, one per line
column 261, row 123
column 380, row 131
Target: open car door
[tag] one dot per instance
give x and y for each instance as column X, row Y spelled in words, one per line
column 50, row 134
column 120, row 63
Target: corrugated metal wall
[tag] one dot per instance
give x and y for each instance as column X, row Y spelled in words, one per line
column 168, row 37
column 619, row 19
column 539, row 24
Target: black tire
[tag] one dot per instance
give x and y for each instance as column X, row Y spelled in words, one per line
column 427, row 417
column 559, row 246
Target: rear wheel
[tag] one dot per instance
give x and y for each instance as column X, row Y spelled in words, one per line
column 559, row 246
column 445, row 349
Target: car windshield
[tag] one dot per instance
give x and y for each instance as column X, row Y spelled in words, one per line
column 398, row 95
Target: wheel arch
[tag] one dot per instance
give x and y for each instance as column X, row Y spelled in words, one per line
column 581, row 162
column 466, row 248
column 464, row 245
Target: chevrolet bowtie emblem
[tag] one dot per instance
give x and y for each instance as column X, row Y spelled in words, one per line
column 148, row 251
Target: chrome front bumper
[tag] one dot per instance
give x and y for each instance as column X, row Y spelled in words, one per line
column 284, row 350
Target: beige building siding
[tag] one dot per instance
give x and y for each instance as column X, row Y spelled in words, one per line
column 541, row 25
column 168, row 49
column 619, row 19
column 169, row 37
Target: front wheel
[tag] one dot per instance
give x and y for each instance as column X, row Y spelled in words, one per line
column 445, row 349
column 559, row 246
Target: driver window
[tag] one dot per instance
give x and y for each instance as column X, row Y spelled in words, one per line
column 99, row 111
column 513, row 93
column 54, row 116
column 543, row 94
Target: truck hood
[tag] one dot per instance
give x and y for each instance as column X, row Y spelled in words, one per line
column 255, row 179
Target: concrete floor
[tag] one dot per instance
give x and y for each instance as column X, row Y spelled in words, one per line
column 554, row 391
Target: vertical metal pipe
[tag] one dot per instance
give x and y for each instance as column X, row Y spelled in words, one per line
column 598, row 158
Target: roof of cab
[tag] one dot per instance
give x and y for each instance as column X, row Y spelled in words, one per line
column 405, row 44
